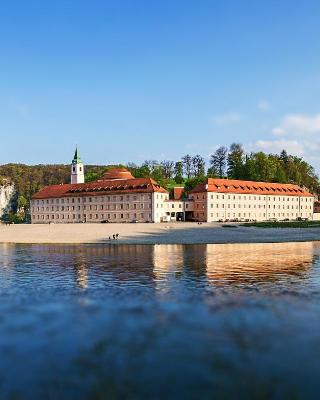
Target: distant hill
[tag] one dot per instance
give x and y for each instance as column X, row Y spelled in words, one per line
column 28, row 179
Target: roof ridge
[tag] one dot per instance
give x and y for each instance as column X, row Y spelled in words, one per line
column 113, row 186
column 250, row 187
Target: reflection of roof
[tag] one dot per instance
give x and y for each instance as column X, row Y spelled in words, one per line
column 249, row 187
column 117, row 173
column 103, row 186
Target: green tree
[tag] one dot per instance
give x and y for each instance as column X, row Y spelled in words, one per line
column 191, row 183
column 236, row 161
column 198, row 166
column 168, row 168
column 212, row 173
column 178, row 172
column 187, row 162
column 218, row 161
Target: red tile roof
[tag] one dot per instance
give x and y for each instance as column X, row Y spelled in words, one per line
column 117, row 173
column 101, row 187
column 250, row 187
column 178, row 192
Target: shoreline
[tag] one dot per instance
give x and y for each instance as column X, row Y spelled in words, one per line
column 143, row 233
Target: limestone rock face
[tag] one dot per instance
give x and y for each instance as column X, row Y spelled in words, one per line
column 7, row 197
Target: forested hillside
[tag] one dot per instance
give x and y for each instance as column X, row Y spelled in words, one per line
column 233, row 163
column 28, row 179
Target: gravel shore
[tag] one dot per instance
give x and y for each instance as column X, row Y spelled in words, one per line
column 170, row 233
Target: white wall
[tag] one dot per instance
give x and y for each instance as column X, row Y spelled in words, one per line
column 316, row 217
column 113, row 207
column 77, row 173
column 159, row 206
column 229, row 206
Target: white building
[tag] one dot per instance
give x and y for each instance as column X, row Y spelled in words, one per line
column 120, row 197
column 117, row 197
column 226, row 199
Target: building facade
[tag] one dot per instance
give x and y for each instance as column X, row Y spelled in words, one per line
column 117, row 197
column 227, row 200
column 120, row 197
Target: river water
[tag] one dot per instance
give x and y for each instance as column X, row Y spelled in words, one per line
column 160, row 322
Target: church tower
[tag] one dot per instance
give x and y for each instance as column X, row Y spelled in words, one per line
column 77, row 170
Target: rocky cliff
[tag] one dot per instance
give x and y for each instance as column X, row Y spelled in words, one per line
column 7, row 196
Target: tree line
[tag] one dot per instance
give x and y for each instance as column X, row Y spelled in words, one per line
column 225, row 162
column 235, row 163
column 232, row 163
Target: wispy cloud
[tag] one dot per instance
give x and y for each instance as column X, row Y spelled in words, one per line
column 278, row 131
column 298, row 125
column 228, row 118
column 276, row 146
column 299, row 134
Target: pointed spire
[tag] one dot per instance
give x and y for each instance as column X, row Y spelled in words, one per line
column 76, row 157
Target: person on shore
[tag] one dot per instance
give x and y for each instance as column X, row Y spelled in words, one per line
column 114, row 236
column 117, row 235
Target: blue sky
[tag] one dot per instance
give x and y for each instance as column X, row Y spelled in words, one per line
column 135, row 80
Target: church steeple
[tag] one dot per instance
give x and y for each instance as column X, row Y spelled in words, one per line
column 76, row 157
column 77, row 169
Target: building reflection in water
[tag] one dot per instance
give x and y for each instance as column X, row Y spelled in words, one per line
column 7, row 262
column 165, row 266
column 102, row 264
column 221, row 264
column 7, row 252
column 168, row 264
column 81, row 271
column 249, row 263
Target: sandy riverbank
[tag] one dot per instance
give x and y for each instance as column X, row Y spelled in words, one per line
column 175, row 233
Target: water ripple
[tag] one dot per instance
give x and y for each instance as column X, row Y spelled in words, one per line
column 163, row 321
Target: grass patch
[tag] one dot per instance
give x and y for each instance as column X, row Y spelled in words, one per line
column 284, row 224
